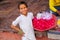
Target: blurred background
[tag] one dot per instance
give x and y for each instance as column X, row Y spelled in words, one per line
column 9, row 10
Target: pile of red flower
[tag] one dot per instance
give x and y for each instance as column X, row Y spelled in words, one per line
column 44, row 24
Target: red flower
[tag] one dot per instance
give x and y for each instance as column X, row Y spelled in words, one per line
column 43, row 24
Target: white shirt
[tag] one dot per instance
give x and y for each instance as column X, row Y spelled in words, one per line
column 25, row 23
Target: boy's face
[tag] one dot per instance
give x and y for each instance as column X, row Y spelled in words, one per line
column 23, row 9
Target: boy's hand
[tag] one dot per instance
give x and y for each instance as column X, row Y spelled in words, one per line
column 21, row 32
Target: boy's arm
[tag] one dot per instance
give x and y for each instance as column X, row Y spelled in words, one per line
column 14, row 23
column 17, row 29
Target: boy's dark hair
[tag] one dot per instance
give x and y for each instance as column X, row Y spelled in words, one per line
column 22, row 2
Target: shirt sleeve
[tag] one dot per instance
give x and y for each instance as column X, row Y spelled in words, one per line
column 31, row 14
column 51, row 5
column 15, row 22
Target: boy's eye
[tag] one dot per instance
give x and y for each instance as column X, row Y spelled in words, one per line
column 23, row 8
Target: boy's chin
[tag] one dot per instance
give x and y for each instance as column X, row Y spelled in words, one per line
column 25, row 14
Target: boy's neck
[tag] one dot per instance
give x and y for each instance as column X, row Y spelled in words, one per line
column 24, row 14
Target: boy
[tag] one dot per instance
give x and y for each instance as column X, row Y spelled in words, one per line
column 25, row 22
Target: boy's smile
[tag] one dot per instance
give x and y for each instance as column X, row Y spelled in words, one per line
column 23, row 9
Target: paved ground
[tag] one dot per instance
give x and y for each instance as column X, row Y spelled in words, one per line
column 14, row 36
